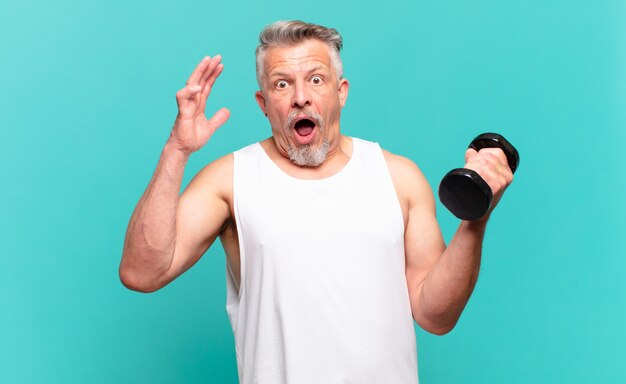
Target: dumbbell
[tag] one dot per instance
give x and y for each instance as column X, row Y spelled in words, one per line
column 463, row 191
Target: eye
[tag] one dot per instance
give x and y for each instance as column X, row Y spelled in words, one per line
column 281, row 84
column 317, row 80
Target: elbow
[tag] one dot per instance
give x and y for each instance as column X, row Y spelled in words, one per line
column 135, row 282
column 439, row 330
column 437, row 327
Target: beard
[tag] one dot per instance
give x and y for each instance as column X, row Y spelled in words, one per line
column 307, row 155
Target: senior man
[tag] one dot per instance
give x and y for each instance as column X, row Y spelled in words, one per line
column 332, row 243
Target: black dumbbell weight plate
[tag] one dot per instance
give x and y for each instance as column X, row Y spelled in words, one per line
column 465, row 194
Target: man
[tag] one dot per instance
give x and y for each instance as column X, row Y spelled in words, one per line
column 332, row 244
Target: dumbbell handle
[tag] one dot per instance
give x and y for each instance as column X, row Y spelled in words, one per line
column 463, row 191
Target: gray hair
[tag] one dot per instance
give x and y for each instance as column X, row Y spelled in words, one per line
column 293, row 32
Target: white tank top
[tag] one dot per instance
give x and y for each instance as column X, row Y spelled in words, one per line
column 323, row 297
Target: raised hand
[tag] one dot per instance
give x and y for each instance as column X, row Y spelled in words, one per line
column 192, row 129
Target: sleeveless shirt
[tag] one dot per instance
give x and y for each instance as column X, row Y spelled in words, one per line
column 323, row 296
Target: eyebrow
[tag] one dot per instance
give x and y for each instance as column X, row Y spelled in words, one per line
column 284, row 74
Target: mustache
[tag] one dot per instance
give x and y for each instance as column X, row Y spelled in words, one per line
column 293, row 115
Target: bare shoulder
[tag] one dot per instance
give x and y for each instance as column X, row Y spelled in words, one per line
column 215, row 179
column 400, row 164
column 217, row 173
column 409, row 181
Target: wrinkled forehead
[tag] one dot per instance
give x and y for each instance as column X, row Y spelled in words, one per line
column 305, row 54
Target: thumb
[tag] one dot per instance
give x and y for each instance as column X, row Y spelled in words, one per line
column 469, row 154
column 218, row 119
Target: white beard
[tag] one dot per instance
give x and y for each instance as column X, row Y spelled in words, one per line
column 307, row 156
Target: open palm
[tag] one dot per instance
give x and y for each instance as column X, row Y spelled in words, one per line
column 192, row 129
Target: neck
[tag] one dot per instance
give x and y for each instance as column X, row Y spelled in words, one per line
column 339, row 154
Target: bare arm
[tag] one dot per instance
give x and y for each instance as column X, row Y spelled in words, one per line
column 441, row 279
column 162, row 240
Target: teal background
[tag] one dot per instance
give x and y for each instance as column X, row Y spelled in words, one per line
column 87, row 101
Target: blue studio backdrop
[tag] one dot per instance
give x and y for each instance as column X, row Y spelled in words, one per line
column 87, row 101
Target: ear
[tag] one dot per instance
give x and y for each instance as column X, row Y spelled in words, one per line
column 260, row 99
column 344, row 87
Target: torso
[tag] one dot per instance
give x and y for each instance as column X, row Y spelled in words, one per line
column 229, row 237
column 315, row 255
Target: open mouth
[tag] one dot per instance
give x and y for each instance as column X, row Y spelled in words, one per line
column 304, row 127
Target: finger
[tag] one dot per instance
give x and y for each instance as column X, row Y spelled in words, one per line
column 218, row 119
column 211, row 80
column 488, row 166
column 188, row 92
column 215, row 74
column 497, row 153
column 184, row 95
column 485, row 161
column 214, row 69
column 197, row 73
column 209, row 69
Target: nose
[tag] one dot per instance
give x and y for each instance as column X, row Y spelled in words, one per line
column 301, row 96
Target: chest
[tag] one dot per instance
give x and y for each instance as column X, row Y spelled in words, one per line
column 287, row 218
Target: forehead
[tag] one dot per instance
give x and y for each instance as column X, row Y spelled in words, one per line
column 296, row 57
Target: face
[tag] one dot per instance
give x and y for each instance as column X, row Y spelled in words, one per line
column 302, row 98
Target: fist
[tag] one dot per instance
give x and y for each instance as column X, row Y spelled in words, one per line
column 491, row 164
